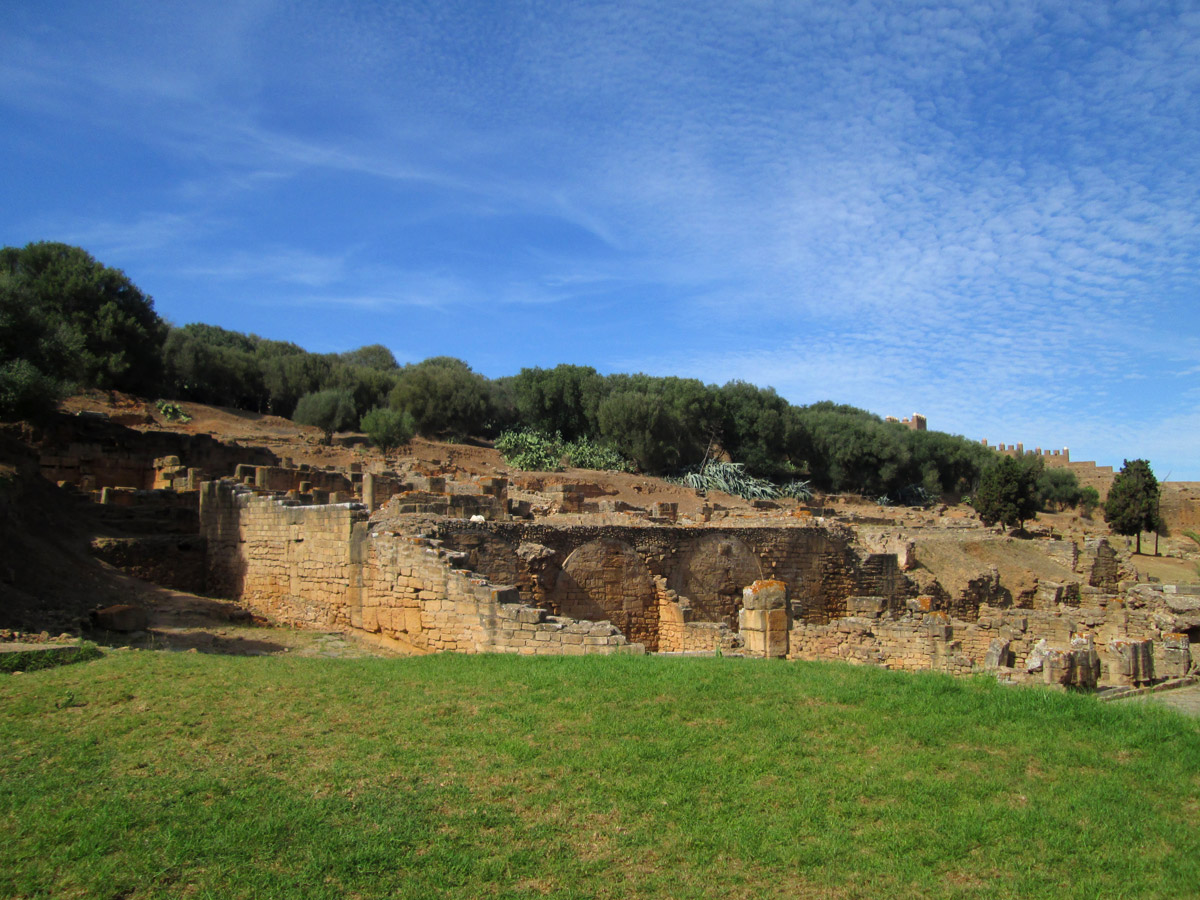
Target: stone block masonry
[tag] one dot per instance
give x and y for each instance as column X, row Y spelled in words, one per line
column 95, row 453
column 321, row 566
column 804, row 591
column 764, row 619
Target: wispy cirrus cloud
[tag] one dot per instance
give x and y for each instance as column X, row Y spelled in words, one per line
column 985, row 210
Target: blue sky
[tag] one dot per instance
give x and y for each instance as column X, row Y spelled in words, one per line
column 984, row 212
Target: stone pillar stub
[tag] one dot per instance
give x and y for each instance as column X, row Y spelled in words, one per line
column 765, row 594
column 764, row 619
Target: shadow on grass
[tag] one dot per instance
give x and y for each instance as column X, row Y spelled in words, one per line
column 197, row 640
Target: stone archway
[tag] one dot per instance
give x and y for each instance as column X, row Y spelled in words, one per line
column 712, row 574
column 606, row 579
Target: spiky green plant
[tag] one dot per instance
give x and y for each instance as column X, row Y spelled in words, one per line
column 730, row 478
column 172, row 412
column 797, row 490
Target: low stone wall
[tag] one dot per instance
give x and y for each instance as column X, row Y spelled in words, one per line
column 678, row 634
column 1128, row 641
column 94, row 452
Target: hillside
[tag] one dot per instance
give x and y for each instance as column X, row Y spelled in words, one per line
column 53, row 578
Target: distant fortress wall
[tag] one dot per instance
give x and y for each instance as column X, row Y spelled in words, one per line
column 916, row 423
column 1180, row 505
column 1088, row 473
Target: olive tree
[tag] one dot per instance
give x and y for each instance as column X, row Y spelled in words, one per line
column 330, row 411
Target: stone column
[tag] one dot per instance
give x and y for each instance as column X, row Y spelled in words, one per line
column 368, row 491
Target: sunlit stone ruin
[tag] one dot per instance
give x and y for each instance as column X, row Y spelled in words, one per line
column 430, row 558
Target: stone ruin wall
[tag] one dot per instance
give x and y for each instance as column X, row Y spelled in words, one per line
column 94, row 452
column 655, row 581
column 585, row 586
column 519, row 587
column 322, row 566
column 573, row 588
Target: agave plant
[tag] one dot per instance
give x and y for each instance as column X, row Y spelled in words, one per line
column 731, row 478
column 914, row 495
column 797, row 490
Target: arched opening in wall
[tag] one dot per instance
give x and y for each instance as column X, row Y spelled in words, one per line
column 606, row 579
column 712, row 574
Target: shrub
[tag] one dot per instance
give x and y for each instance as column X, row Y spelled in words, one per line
column 1089, row 499
column 172, row 412
column 1058, row 489
column 445, row 398
column 585, row 453
column 388, row 428
column 531, row 450
column 73, row 303
column 25, row 392
column 643, row 428
column 562, row 400
column 328, row 410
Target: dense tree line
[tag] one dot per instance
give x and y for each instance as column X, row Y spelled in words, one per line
column 67, row 321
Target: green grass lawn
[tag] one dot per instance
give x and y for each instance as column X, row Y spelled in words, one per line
column 185, row 775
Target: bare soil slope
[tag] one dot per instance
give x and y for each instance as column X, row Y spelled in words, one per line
column 955, row 559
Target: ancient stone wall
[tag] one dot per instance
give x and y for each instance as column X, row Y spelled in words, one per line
column 707, row 566
column 154, row 512
column 320, row 566
column 535, row 588
column 178, row 562
column 1180, row 506
column 1133, row 639
column 679, row 633
column 94, row 452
